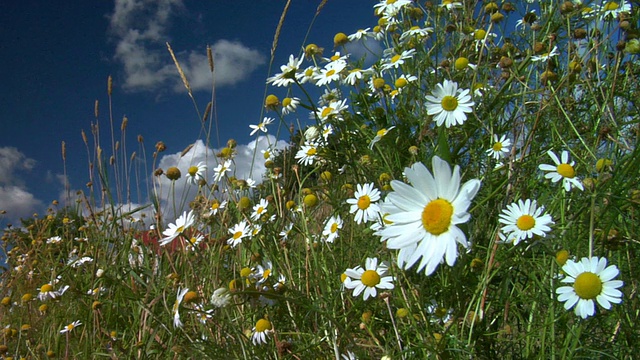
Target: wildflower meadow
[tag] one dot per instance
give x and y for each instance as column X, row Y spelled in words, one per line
column 467, row 187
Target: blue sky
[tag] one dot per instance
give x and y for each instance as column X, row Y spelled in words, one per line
column 57, row 57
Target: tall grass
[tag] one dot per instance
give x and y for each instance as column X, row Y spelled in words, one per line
column 279, row 289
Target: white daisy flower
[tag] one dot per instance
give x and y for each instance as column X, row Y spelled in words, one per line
column 353, row 77
column 591, row 280
column 611, row 9
column 194, row 242
column 397, row 59
column 379, row 135
column 416, row 31
column 289, row 105
column 221, row 170
column 176, row 307
column 220, row 298
column 261, row 126
column 390, row 6
column 359, row 34
column 500, row 147
column 563, row 170
column 363, row 205
column 259, row 209
column 216, row 206
column 331, row 228
column 369, row 279
column 545, row 56
column 195, row 173
column 307, row 154
column 289, row 73
column 47, row 292
column 238, row 232
column 70, row 327
column 261, row 331
column 182, row 223
column 423, row 223
column 449, row 104
column 263, row 272
column 331, row 111
column 451, row 5
column 522, row 220
column 331, row 72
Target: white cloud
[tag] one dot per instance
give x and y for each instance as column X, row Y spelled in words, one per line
column 140, row 29
column 14, row 197
column 244, row 167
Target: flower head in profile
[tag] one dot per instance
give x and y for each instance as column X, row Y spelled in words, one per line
column 70, row 327
column 545, row 56
column 289, row 105
column 288, row 73
column 500, row 147
column 522, row 220
column 562, row 170
column 449, row 104
column 182, row 223
column 364, row 203
column 611, row 9
column 195, row 173
column 48, row 292
column 220, row 297
column 175, row 311
column 366, row 281
column 591, row 281
column 261, row 126
column 379, row 135
column 261, row 331
column 423, row 216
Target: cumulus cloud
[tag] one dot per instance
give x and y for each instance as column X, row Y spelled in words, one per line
column 15, row 199
column 140, row 29
column 244, row 166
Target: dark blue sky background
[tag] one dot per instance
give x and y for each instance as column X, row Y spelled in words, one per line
column 56, row 57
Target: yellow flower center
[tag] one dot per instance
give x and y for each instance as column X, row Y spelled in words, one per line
column 370, row 278
column 193, row 240
column 497, row 146
column 260, row 210
column 311, row 152
column 328, row 110
column 461, row 63
column 237, row 235
column 330, row 72
column 180, row 229
column 389, row 2
column 46, row 288
column 334, row 227
column 611, row 5
column 401, row 82
column 436, row 216
column 245, row 272
column 193, row 170
column 588, row 285
column 447, row 2
column 70, row 327
column 286, row 102
column 479, row 34
column 449, row 103
column 363, row 202
column 266, row 273
column 566, row 170
column 395, row 58
column 308, row 72
column 263, row 325
column 381, row 132
column 525, row 222
column 215, row 206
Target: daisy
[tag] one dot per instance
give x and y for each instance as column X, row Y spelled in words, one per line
column 216, row 206
column 330, row 73
column 196, row 173
column 54, row 240
column 379, row 135
column 449, row 104
column 309, row 74
column 259, row 209
column 70, row 327
column 331, row 228
column 238, row 232
column 500, row 147
column 176, row 307
column 261, row 126
column 353, row 77
column 390, row 6
column 47, row 292
column 369, row 279
column 451, row 5
column 263, row 272
column 221, row 170
column 364, row 203
column 423, row 217
column 359, row 34
column 203, row 315
column 416, row 31
column 397, row 59
column 289, row 105
column 611, row 9
column 331, row 111
column 261, row 331
column 307, row 153
column 182, row 223
column 591, row 280
column 522, row 220
column 194, row 241
column 562, row 170
column 289, row 73
column 545, row 56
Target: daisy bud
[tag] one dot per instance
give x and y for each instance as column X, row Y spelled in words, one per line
column 340, row 39
column 173, row 173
